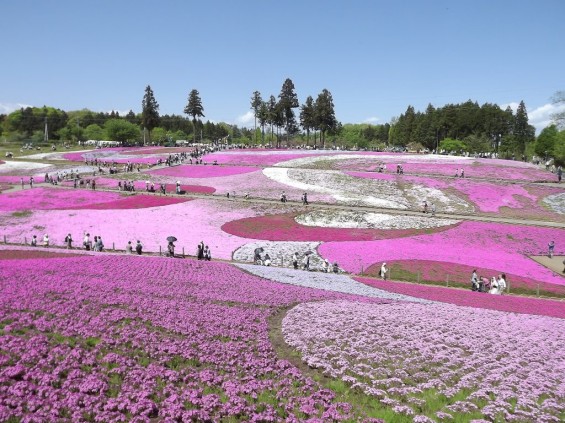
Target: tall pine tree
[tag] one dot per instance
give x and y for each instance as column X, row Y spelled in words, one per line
column 149, row 111
column 288, row 101
column 523, row 132
column 194, row 108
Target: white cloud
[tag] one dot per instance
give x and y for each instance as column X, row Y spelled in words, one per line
column 7, row 108
column 246, row 120
column 373, row 120
column 541, row 116
column 513, row 105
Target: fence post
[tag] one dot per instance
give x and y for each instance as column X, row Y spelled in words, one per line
column 508, row 285
column 25, row 240
column 447, row 282
column 159, row 250
column 5, row 239
column 113, row 246
column 182, row 252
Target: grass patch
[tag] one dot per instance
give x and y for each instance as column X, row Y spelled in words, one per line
column 22, row 214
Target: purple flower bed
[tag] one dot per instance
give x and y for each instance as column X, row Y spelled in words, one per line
column 486, row 245
column 193, row 171
column 116, row 338
column 437, row 361
column 509, row 303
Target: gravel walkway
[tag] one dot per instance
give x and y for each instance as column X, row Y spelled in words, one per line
column 325, row 281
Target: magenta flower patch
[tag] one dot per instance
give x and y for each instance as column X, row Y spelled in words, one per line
column 283, row 227
column 510, row 303
column 79, row 199
column 501, row 247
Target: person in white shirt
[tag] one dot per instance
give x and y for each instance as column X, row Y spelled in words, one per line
column 501, row 283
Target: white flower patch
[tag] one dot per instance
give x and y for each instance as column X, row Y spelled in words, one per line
column 556, row 202
column 280, row 251
column 368, row 220
column 366, row 192
column 325, row 281
column 445, row 203
column 344, row 188
column 17, row 165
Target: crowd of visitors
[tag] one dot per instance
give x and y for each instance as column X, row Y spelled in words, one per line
column 494, row 285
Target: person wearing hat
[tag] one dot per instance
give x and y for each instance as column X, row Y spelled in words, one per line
column 384, row 271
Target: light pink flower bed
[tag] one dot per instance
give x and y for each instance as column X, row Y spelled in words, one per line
column 487, row 245
column 437, row 362
column 255, row 183
column 488, row 196
column 201, row 171
column 510, row 303
column 191, row 222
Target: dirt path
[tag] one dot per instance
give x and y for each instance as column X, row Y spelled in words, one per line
column 556, row 263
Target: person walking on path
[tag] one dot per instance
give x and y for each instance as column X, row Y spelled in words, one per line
column 550, row 248
column 138, row 247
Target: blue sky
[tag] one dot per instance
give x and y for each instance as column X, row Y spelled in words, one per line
column 375, row 57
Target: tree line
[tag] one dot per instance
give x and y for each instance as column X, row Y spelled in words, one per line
column 466, row 127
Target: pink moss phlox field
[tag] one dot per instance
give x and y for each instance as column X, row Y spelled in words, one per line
column 254, row 158
column 194, row 171
column 488, row 245
column 509, row 303
column 79, row 199
column 488, row 196
column 117, row 338
column 283, row 227
column 503, row 366
column 191, row 222
column 458, row 275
